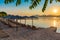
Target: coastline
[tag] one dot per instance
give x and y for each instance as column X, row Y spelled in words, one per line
column 26, row 32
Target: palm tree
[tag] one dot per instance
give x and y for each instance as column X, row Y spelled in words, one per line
column 36, row 2
column 33, row 2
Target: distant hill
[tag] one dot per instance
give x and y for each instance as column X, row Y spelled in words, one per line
column 2, row 14
column 19, row 17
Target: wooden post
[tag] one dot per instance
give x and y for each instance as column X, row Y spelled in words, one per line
column 8, row 21
column 25, row 21
column 16, row 25
column 32, row 22
column 20, row 20
column 16, row 20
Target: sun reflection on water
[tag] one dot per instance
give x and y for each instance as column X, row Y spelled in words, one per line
column 54, row 23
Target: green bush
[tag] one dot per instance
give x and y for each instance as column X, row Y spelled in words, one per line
column 2, row 14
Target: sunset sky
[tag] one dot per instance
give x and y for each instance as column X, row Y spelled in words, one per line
column 23, row 9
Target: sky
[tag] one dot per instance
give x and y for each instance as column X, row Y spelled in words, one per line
column 23, row 8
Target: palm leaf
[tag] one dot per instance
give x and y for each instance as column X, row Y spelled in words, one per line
column 45, row 5
column 34, row 3
column 18, row 2
column 51, row 1
column 58, row 0
column 8, row 1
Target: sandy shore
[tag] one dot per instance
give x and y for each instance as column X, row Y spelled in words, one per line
column 27, row 33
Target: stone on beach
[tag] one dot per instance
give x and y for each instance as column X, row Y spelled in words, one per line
column 34, row 28
column 53, row 28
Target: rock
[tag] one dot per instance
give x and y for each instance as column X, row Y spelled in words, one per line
column 3, row 34
column 53, row 28
column 28, row 27
column 23, row 25
column 34, row 28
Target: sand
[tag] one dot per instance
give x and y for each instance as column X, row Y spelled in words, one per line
column 24, row 33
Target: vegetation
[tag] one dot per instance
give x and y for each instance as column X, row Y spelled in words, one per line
column 2, row 14
column 33, row 2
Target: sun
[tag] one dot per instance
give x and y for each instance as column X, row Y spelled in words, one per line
column 55, row 10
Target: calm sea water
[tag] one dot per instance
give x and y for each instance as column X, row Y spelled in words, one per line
column 44, row 22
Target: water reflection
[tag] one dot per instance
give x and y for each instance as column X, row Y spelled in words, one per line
column 54, row 23
column 43, row 22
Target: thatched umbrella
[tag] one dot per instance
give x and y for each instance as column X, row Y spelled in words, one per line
column 32, row 19
column 12, row 17
column 25, row 17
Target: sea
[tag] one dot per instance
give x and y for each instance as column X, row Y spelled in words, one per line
column 43, row 22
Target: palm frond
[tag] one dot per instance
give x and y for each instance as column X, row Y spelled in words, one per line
column 58, row 0
column 8, row 1
column 18, row 2
column 45, row 4
column 34, row 3
column 51, row 1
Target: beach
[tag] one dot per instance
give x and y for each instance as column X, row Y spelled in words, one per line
column 26, row 32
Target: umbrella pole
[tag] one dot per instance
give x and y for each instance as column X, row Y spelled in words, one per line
column 32, row 22
column 8, row 21
column 25, row 21
column 20, row 20
column 16, row 25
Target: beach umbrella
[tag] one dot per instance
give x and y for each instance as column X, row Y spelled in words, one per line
column 25, row 17
column 32, row 19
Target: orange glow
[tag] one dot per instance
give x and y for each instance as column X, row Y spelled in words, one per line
column 55, row 10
